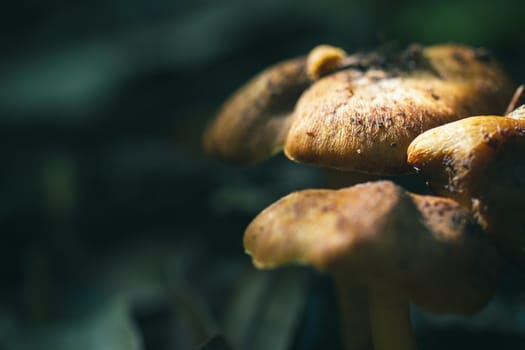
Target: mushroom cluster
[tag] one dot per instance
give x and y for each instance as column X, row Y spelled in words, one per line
column 356, row 112
column 387, row 113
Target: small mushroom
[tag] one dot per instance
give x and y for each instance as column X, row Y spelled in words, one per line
column 323, row 59
column 376, row 237
column 479, row 162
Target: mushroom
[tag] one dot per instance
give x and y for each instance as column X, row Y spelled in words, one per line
column 356, row 112
column 324, row 59
column 253, row 123
column 397, row 246
column 479, row 162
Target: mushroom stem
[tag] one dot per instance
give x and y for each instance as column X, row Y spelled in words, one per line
column 390, row 320
column 354, row 314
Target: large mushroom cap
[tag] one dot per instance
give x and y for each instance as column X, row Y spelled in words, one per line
column 479, row 162
column 323, row 59
column 364, row 120
column 376, row 233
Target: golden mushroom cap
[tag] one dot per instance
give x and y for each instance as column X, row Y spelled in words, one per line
column 322, row 60
column 376, row 233
column 479, row 162
column 364, row 121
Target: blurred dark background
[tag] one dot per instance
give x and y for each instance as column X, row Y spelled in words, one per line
column 117, row 233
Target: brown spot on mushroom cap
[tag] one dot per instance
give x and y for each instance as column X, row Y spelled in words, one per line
column 376, row 233
column 357, row 116
column 254, row 122
column 479, row 162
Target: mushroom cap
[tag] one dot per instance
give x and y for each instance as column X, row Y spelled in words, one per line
column 254, row 122
column 376, row 233
column 318, row 227
column 364, row 120
column 479, row 162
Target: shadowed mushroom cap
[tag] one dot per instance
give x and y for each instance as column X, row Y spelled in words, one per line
column 254, row 122
column 363, row 120
column 479, row 161
column 376, row 233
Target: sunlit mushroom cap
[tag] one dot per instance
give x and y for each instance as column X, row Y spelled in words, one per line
column 364, row 120
column 479, row 161
column 376, row 233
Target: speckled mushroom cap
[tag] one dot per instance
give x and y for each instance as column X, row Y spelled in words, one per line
column 376, row 233
column 479, row 161
column 364, row 120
